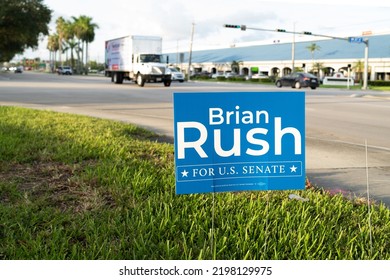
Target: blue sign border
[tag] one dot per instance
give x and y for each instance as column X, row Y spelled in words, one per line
column 237, row 141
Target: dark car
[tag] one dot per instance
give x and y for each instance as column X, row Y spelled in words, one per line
column 19, row 69
column 298, row 80
column 203, row 74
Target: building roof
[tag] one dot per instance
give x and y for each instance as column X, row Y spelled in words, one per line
column 379, row 47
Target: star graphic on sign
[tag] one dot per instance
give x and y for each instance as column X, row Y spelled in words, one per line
column 293, row 169
column 184, row 173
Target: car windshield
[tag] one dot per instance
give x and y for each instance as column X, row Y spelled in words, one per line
column 173, row 70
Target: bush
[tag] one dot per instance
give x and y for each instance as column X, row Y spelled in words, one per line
column 379, row 83
column 200, row 78
column 262, row 81
column 237, row 79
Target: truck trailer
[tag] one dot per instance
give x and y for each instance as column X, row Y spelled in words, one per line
column 136, row 58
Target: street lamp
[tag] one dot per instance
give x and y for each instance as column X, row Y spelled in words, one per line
column 190, row 58
column 365, row 78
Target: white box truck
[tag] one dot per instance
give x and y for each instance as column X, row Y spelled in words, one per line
column 136, row 58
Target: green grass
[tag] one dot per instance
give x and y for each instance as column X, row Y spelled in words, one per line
column 74, row 187
column 380, row 88
column 358, row 87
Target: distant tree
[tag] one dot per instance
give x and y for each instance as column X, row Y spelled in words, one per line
column 313, row 48
column 72, row 45
column 84, row 30
column 358, row 67
column 53, row 46
column 235, row 65
column 61, row 31
column 317, row 67
column 75, row 35
column 22, row 22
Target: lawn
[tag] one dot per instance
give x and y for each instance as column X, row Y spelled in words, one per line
column 74, row 187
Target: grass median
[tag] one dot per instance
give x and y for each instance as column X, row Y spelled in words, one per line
column 74, row 187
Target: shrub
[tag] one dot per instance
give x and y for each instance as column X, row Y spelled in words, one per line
column 379, row 83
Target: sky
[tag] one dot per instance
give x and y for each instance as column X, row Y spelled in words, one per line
column 173, row 20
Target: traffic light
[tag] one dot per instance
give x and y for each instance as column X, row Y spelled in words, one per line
column 232, row 26
column 243, row 27
column 306, row 32
column 281, row 30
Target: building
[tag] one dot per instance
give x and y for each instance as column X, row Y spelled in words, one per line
column 332, row 56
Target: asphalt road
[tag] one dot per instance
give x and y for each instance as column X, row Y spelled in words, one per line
column 339, row 123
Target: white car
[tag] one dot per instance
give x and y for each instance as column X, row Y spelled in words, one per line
column 64, row 70
column 218, row 74
column 257, row 76
column 230, row 75
column 176, row 75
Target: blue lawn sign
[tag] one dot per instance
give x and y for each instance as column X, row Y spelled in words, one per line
column 237, row 141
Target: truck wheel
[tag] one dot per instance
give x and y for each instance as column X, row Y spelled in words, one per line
column 140, row 80
column 167, row 83
column 118, row 78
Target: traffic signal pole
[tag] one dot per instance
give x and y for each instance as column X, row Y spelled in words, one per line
column 349, row 39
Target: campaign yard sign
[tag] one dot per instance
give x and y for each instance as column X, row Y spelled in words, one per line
column 237, row 141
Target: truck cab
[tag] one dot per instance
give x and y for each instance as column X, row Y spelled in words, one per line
column 151, row 68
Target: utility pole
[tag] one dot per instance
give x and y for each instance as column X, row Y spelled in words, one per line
column 349, row 39
column 189, row 59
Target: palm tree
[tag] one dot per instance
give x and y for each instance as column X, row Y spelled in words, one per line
column 358, row 67
column 313, row 48
column 60, row 27
column 53, row 46
column 317, row 67
column 85, row 31
column 65, row 33
column 68, row 38
column 72, row 44
column 235, row 66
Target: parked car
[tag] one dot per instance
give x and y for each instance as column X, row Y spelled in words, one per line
column 257, row 76
column 230, row 75
column 218, row 74
column 203, row 74
column 64, row 70
column 176, row 75
column 298, row 80
column 19, row 69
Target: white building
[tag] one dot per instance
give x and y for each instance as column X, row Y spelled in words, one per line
column 332, row 55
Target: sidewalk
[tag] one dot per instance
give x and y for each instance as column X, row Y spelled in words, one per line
column 372, row 94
